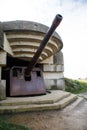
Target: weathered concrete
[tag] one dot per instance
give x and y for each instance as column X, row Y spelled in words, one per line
column 67, row 119
column 53, row 73
column 2, row 89
column 53, row 68
column 2, row 58
column 84, row 95
column 2, row 82
column 58, row 58
column 55, row 84
column 60, row 83
column 52, row 101
column 26, row 26
column 1, row 35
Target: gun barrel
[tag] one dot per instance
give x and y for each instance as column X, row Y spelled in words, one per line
column 49, row 33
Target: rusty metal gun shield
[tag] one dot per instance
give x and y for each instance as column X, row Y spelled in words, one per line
column 20, row 85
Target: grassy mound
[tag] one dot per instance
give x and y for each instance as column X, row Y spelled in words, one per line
column 75, row 86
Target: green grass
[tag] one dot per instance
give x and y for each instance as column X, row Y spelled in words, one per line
column 5, row 125
column 10, row 126
column 76, row 86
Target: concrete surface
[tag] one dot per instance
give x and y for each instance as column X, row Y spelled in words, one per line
column 55, row 100
column 84, row 95
column 66, row 119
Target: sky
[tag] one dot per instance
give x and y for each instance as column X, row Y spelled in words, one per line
column 72, row 29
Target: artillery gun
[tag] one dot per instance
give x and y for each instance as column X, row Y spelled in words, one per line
column 29, row 80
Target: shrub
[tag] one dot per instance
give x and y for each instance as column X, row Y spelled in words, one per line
column 75, row 86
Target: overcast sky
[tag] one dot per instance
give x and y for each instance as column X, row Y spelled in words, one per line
column 73, row 28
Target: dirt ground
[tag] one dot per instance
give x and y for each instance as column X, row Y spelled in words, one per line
column 66, row 119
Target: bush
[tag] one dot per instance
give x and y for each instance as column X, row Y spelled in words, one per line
column 75, row 86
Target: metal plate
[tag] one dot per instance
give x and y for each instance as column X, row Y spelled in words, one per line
column 21, row 85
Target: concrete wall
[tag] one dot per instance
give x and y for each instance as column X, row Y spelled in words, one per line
column 53, row 72
column 2, row 82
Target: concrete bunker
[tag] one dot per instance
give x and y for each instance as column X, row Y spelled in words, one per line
column 19, row 41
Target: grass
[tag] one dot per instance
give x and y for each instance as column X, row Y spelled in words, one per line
column 10, row 126
column 76, row 86
column 5, row 125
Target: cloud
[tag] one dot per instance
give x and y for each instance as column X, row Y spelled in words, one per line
column 73, row 28
column 74, row 32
